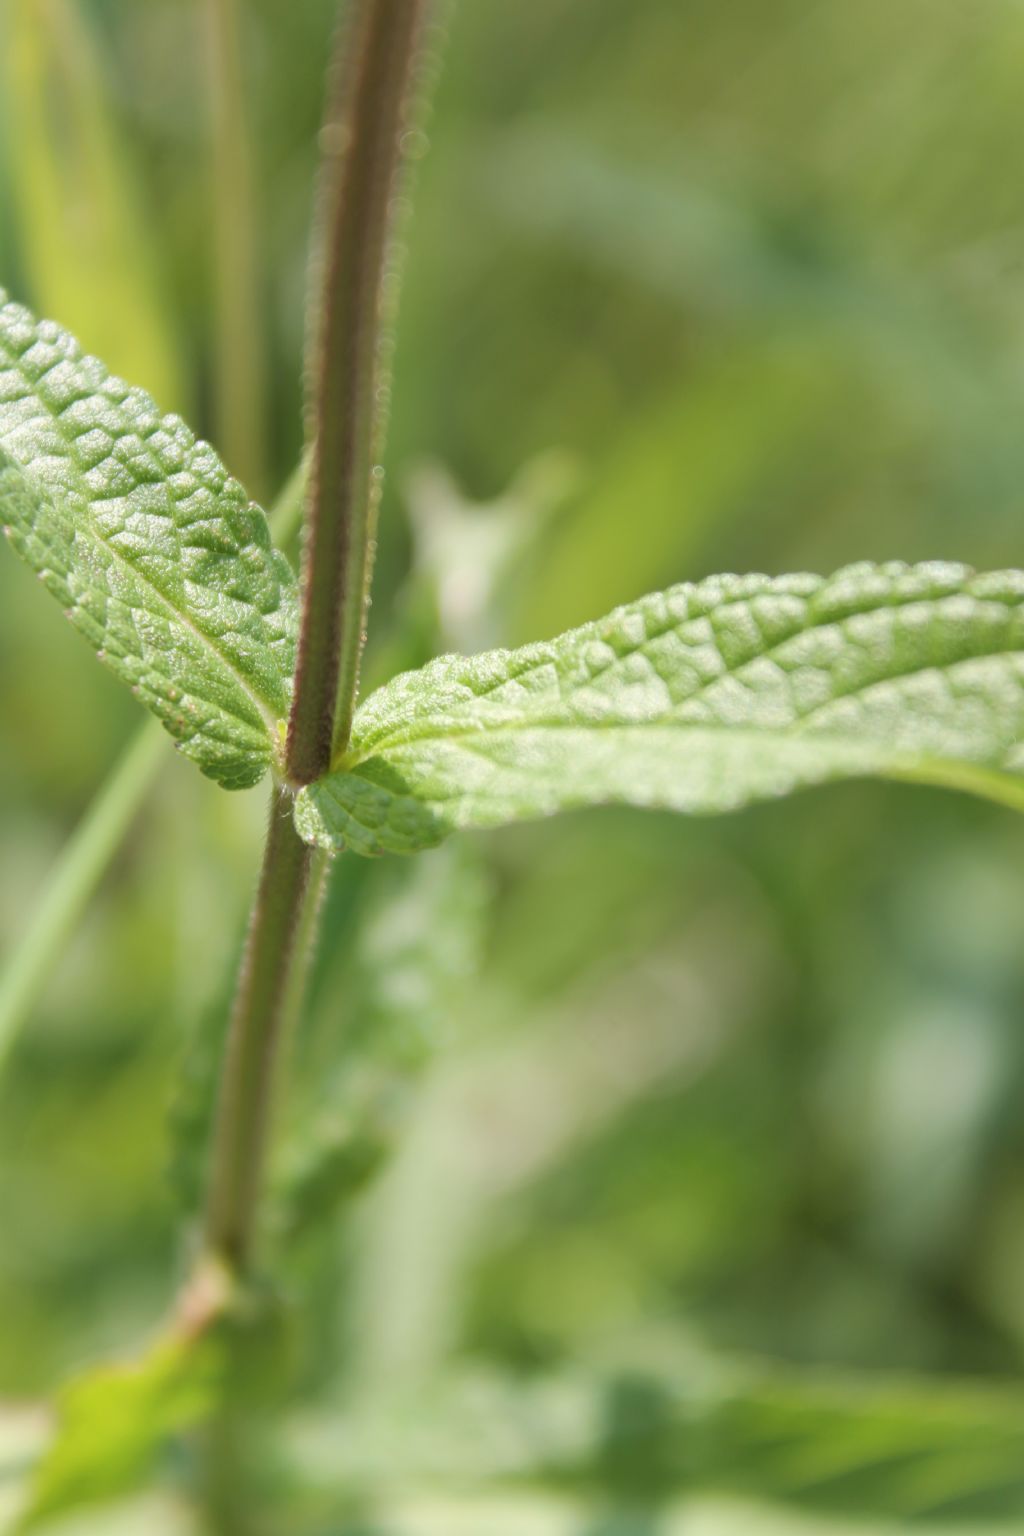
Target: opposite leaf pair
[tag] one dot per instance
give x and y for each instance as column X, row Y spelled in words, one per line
column 699, row 699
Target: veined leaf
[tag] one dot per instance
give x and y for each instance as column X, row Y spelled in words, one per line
column 155, row 553
column 699, row 699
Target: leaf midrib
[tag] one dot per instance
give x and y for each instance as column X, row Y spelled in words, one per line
column 906, row 765
column 1000, row 785
column 733, row 670
column 799, row 727
column 261, row 705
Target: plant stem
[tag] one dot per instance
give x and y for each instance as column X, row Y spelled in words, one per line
column 366, row 142
column 80, row 865
column 272, row 955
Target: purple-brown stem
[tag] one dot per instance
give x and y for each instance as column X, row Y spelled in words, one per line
column 366, row 142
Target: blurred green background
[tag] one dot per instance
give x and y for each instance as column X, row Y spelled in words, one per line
column 690, row 286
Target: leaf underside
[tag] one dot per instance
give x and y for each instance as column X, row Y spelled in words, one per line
column 700, row 699
column 155, row 553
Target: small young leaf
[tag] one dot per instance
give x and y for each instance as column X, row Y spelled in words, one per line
column 699, row 699
column 114, row 1422
column 154, row 552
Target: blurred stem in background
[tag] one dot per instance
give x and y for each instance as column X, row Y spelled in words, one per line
column 76, row 190
column 286, row 514
column 240, row 357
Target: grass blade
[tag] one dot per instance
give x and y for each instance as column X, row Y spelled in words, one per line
column 73, row 880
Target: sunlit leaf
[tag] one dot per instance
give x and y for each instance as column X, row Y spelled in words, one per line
column 155, row 553
column 701, row 699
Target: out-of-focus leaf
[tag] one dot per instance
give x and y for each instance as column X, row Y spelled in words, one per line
column 153, row 1514
column 194, row 1102
column 23, row 1434
column 690, row 463
column 466, row 551
column 417, row 951
column 155, row 553
column 916, row 1453
column 240, row 354
column 538, row 1514
column 114, row 1422
column 641, row 1441
column 86, row 243
column 701, row 699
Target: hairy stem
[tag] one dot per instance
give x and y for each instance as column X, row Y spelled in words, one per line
column 365, row 144
column 273, row 954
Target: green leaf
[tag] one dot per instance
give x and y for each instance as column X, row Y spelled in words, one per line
column 700, row 699
column 155, row 553
column 113, row 1423
column 927, row 1454
column 949, row 1452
